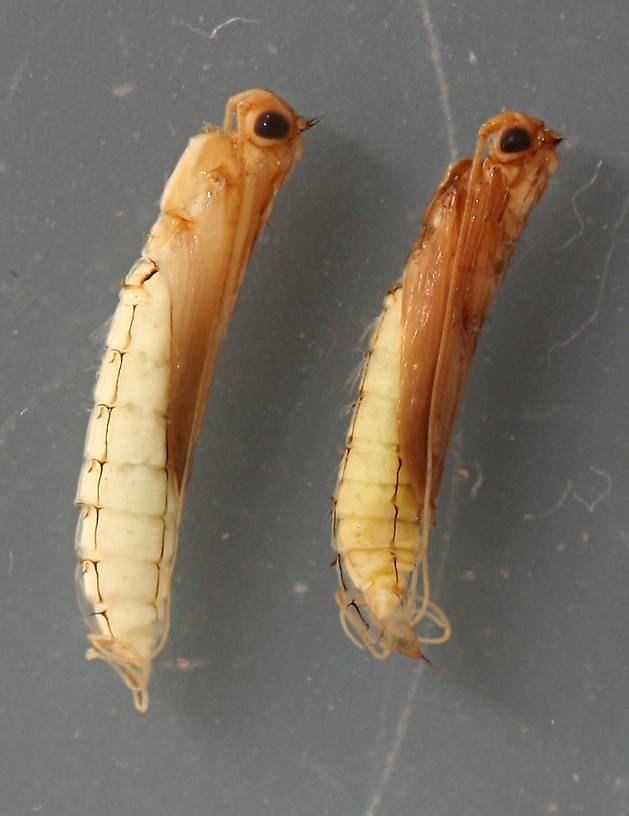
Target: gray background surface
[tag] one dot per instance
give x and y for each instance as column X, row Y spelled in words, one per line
column 259, row 704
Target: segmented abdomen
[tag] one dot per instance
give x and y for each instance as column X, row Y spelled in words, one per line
column 375, row 517
column 126, row 536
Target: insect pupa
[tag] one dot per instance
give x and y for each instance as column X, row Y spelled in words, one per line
column 413, row 379
column 153, row 384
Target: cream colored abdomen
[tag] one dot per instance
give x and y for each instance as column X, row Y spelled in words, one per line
column 127, row 536
column 375, row 528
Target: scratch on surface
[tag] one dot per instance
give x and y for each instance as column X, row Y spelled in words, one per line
column 15, row 80
column 601, row 291
column 321, row 772
column 569, row 489
column 405, row 714
column 553, row 509
column 10, row 570
column 212, row 34
column 400, row 732
column 383, row 717
column 528, row 249
column 9, row 424
column 232, row 793
column 578, row 215
column 591, row 506
column 478, row 483
column 442, row 82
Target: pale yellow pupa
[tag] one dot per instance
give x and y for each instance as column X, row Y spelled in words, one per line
column 413, row 379
column 155, row 376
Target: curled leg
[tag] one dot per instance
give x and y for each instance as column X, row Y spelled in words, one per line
column 355, row 626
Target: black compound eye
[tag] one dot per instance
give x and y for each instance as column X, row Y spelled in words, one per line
column 272, row 125
column 515, row 139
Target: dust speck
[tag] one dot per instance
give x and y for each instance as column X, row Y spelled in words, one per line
column 123, row 90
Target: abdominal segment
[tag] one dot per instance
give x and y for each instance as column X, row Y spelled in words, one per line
column 376, row 513
column 126, row 535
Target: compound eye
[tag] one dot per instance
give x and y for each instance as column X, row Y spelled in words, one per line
column 272, row 124
column 515, row 139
